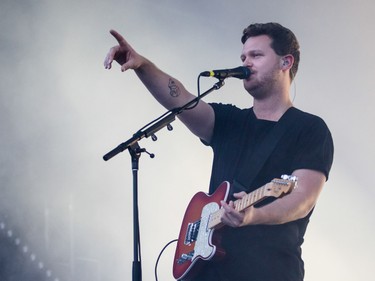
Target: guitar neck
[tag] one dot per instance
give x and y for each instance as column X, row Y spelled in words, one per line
column 241, row 204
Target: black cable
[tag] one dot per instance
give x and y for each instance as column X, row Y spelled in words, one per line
column 199, row 93
column 161, row 252
column 154, row 121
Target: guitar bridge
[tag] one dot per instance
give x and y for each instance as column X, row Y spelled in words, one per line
column 185, row 257
column 192, row 232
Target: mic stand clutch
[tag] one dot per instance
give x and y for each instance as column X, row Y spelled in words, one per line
column 135, row 152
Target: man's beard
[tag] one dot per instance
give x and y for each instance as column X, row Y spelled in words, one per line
column 263, row 87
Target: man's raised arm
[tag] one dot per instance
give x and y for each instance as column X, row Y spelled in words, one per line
column 167, row 90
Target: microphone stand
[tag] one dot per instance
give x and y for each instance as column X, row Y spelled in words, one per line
column 135, row 151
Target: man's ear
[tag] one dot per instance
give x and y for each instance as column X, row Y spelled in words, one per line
column 286, row 62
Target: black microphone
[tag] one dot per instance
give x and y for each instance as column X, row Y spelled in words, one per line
column 240, row 72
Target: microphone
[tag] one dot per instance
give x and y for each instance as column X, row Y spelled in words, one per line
column 240, row 72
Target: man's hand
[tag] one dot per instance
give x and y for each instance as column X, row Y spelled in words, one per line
column 123, row 53
column 231, row 216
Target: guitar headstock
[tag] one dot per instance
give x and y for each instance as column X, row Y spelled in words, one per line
column 279, row 187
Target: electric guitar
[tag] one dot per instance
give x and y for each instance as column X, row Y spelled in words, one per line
column 196, row 242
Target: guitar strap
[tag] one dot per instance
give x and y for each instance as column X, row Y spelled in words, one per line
column 263, row 151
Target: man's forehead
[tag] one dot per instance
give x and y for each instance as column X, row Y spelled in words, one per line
column 259, row 42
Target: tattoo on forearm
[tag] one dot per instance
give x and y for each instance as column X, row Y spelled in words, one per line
column 174, row 89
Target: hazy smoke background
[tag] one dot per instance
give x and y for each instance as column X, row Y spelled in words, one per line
column 60, row 112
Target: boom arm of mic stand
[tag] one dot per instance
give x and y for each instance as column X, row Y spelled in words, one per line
column 166, row 120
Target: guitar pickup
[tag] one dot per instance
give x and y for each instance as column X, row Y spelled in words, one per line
column 192, row 232
column 185, row 257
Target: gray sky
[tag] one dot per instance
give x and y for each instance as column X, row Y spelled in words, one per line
column 60, row 112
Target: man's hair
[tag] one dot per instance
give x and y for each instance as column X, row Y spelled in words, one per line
column 284, row 42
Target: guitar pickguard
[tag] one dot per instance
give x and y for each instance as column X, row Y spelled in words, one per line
column 203, row 246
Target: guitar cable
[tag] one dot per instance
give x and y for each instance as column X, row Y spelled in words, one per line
column 161, row 252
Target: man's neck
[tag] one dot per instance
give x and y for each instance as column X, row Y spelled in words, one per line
column 272, row 108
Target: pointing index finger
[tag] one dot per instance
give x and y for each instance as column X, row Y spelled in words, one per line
column 118, row 37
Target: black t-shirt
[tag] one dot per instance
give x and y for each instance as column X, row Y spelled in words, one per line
column 264, row 252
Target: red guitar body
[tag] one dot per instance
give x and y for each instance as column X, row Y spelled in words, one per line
column 197, row 242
